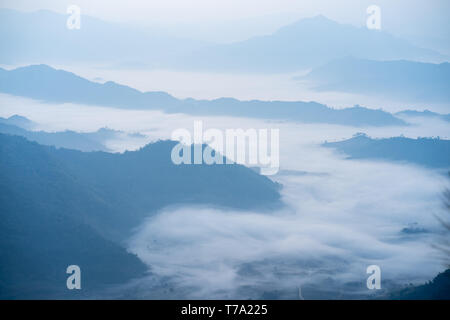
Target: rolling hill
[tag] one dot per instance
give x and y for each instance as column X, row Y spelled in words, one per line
column 61, row 207
column 428, row 152
column 406, row 80
column 305, row 44
column 83, row 141
column 44, row 83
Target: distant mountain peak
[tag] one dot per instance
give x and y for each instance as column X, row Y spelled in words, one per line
column 47, row 84
column 320, row 18
column 404, row 80
column 38, row 67
column 311, row 22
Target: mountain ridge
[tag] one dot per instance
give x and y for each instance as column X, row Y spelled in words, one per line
column 304, row 44
column 45, row 83
column 62, row 207
column 399, row 79
column 295, row 46
column 427, row 152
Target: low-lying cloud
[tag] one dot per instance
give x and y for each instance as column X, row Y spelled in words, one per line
column 333, row 227
column 340, row 216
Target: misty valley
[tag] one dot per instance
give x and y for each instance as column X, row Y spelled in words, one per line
column 303, row 155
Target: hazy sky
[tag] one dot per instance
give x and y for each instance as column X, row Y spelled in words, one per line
column 416, row 17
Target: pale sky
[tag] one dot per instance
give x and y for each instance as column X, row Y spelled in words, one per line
column 415, row 17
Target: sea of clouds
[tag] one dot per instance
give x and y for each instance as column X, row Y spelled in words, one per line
column 340, row 215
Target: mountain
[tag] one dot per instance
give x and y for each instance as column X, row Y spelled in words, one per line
column 90, row 141
column 18, row 121
column 41, row 232
column 433, row 153
column 45, row 83
column 305, row 44
column 135, row 183
column 61, row 207
column 425, row 113
column 437, row 289
column 42, row 36
column 66, row 139
column 406, row 80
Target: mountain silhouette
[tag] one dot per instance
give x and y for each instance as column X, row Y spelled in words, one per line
column 425, row 113
column 47, row 84
column 406, row 80
column 42, row 36
column 428, row 152
column 62, row 207
column 83, row 141
column 301, row 45
column 304, row 44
